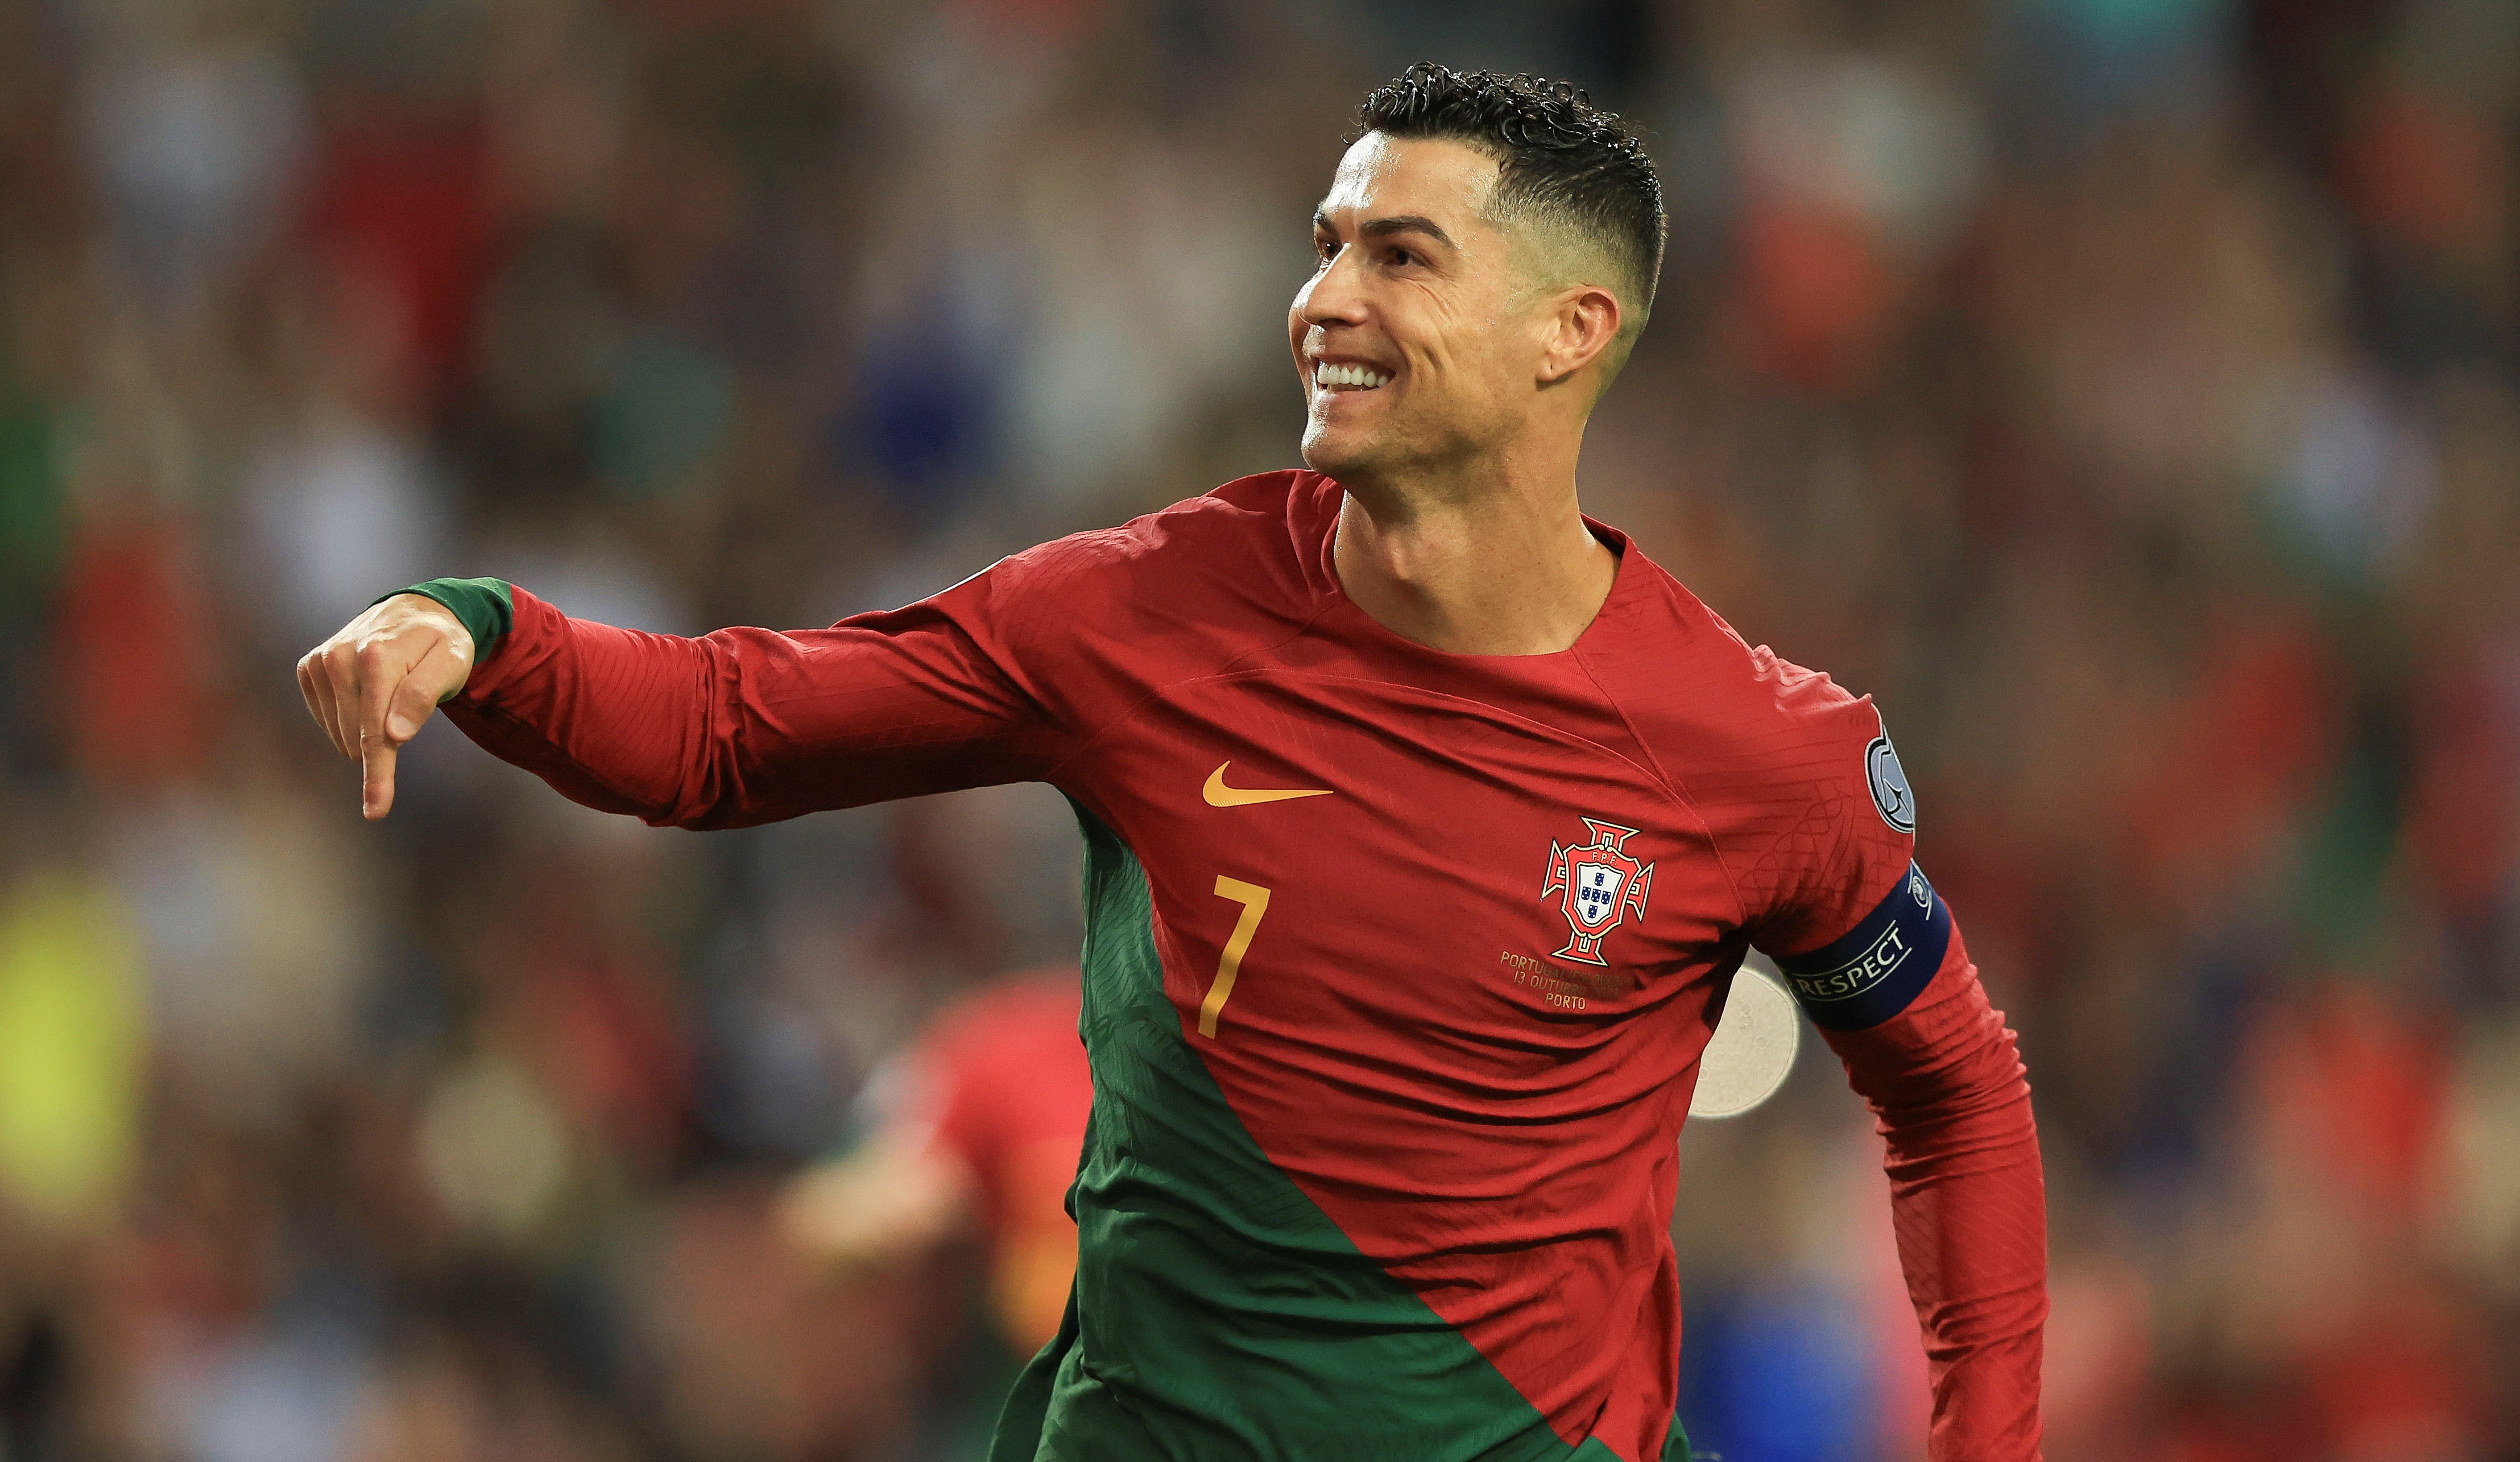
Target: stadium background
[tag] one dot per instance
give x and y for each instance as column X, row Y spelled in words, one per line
column 2124, row 390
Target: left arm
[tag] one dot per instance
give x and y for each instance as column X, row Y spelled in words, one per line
column 1873, row 954
column 1967, row 1203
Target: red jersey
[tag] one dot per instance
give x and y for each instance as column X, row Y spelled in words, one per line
column 1398, row 968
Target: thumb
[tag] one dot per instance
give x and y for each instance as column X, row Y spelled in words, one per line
column 416, row 698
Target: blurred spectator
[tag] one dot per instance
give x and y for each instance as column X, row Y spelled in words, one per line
column 978, row 1128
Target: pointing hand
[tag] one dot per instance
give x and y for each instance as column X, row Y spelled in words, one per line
column 372, row 685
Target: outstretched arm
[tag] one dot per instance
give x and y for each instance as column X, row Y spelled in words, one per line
column 729, row 729
column 1968, row 1202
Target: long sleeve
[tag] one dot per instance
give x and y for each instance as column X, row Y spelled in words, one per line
column 1822, row 826
column 746, row 726
column 1968, row 1204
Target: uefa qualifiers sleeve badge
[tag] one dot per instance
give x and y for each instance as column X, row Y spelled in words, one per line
column 1889, row 783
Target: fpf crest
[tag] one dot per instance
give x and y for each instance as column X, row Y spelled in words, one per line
column 1601, row 884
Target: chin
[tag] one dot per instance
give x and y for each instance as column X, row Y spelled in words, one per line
column 1345, row 455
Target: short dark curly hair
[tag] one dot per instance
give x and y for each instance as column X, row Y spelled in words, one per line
column 1563, row 159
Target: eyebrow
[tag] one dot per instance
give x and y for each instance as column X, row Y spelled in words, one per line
column 1403, row 223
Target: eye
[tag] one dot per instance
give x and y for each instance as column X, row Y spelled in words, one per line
column 1403, row 259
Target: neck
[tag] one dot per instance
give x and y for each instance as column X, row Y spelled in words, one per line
column 1497, row 562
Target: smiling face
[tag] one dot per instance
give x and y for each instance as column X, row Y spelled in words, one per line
column 1428, row 335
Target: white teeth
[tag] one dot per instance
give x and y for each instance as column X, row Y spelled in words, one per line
column 1329, row 375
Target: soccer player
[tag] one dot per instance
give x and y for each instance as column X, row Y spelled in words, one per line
column 1426, row 823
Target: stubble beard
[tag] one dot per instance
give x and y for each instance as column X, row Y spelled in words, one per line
column 1360, row 462
column 1394, row 464
column 1330, row 453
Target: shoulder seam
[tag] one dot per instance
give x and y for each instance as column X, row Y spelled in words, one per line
column 1676, row 787
column 1086, row 742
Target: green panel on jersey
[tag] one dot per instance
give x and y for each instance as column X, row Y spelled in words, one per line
column 1218, row 1312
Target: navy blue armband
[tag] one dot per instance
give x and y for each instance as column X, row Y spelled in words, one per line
column 1884, row 963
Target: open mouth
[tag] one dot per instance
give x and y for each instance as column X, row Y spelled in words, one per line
column 1332, row 376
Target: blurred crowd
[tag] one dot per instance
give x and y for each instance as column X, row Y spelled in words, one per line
column 2126, row 393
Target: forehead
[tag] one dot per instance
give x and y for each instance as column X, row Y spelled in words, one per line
column 1382, row 175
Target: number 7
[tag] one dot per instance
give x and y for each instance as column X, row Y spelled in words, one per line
column 1255, row 902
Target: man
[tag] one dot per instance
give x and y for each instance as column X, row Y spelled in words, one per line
column 1426, row 823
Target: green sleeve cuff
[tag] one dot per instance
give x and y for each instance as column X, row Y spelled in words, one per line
column 486, row 606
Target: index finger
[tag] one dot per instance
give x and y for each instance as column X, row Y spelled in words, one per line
column 379, row 678
column 376, row 774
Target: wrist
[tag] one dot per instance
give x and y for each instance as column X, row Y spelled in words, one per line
column 486, row 608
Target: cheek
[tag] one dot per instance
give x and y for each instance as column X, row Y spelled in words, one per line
column 1460, row 355
column 1419, row 330
column 1495, row 350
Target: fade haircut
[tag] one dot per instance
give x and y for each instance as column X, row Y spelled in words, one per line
column 1562, row 160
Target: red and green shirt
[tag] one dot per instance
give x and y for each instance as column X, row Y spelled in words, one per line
column 1398, row 968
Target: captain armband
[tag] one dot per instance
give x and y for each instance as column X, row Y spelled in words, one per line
column 1873, row 973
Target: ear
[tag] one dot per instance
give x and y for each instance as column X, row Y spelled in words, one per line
column 1584, row 323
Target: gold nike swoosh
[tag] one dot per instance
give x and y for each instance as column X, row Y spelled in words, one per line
column 1219, row 794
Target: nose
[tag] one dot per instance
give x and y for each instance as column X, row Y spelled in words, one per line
column 1332, row 295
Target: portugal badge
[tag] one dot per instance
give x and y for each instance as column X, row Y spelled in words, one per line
column 1601, row 884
